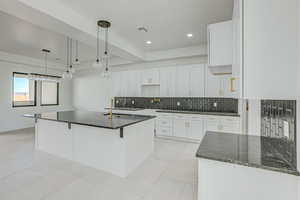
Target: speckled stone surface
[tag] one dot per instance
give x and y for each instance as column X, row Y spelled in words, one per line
column 95, row 119
column 253, row 151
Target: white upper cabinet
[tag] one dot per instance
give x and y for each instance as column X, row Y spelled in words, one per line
column 126, row 83
column 167, row 82
column 183, row 81
column 150, row 77
column 182, row 84
column 270, row 49
column 214, row 86
column 116, row 84
column 219, row 86
column 220, row 44
column 197, row 81
column 133, row 83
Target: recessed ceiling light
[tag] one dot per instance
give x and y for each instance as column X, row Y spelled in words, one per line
column 149, row 42
column 189, row 35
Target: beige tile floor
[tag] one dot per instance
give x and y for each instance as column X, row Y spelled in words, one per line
column 170, row 173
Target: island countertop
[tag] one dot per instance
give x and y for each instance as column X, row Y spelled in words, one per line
column 276, row 154
column 94, row 119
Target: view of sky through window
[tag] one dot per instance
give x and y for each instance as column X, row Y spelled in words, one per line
column 21, row 85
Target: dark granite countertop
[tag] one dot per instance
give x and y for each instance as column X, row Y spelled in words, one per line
column 276, row 154
column 95, row 119
column 126, row 109
column 200, row 113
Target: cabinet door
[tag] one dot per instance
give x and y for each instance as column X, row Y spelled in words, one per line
column 214, row 85
column 196, row 129
column 116, row 84
column 212, row 124
column 220, row 43
column 150, row 76
column 167, row 82
column 197, row 81
column 180, row 127
column 182, row 81
column 123, row 84
column 132, row 83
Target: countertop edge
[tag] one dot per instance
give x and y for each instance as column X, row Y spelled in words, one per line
column 92, row 125
column 286, row 171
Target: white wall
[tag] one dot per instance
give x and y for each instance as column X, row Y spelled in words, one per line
column 11, row 118
column 91, row 92
column 270, row 53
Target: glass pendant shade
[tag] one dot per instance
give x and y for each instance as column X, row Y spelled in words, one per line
column 97, row 64
column 106, row 73
column 67, row 75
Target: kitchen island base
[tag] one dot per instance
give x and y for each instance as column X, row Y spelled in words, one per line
column 101, row 148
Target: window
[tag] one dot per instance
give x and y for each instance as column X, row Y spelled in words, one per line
column 49, row 93
column 24, row 90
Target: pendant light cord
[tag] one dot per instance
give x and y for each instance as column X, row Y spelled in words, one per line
column 97, row 43
column 67, row 53
column 46, row 66
column 71, row 52
column 77, row 51
column 106, row 49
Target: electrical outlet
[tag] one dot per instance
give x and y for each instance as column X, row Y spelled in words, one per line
column 178, row 103
column 215, row 104
column 132, row 102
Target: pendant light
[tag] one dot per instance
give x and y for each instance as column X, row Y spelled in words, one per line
column 104, row 62
column 68, row 74
column 45, row 76
column 97, row 64
column 71, row 68
column 77, row 62
column 106, row 72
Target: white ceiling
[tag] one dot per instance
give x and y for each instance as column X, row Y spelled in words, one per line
column 168, row 21
column 29, row 26
column 23, row 38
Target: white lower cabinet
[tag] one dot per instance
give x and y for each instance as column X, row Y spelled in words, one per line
column 195, row 126
column 164, row 125
column 181, row 126
column 223, row 124
column 189, row 126
column 196, row 130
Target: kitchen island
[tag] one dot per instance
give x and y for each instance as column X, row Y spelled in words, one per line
column 117, row 145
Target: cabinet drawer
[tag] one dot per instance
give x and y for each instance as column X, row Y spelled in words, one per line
column 164, row 131
column 164, row 122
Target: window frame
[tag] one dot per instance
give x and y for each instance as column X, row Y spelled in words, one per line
column 13, row 92
column 57, row 95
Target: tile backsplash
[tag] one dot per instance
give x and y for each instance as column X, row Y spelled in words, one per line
column 278, row 118
column 197, row 104
column 278, row 126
